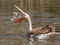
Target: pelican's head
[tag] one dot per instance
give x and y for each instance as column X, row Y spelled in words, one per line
column 21, row 18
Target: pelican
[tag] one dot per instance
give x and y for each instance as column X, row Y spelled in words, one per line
column 41, row 32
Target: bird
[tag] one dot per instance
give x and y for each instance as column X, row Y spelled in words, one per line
column 39, row 32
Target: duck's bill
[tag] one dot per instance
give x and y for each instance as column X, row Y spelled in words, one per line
column 20, row 19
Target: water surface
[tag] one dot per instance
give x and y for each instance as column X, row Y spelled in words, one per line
column 15, row 34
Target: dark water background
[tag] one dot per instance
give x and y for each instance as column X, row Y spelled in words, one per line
column 15, row 34
column 42, row 12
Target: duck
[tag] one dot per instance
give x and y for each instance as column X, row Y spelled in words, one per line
column 43, row 32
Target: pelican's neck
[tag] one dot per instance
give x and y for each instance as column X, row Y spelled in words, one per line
column 30, row 24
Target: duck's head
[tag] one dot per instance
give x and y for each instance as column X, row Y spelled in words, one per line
column 20, row 18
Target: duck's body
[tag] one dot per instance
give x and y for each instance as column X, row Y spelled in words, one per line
column 40, row 32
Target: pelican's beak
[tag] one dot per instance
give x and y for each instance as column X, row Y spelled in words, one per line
column 20, row 19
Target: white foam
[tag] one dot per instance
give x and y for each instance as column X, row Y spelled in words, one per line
column 46, row 36
column 42, row 36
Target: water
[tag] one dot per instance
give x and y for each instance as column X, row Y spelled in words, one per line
column 15, row 34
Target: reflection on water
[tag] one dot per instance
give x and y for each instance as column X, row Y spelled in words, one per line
column 15, row 34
